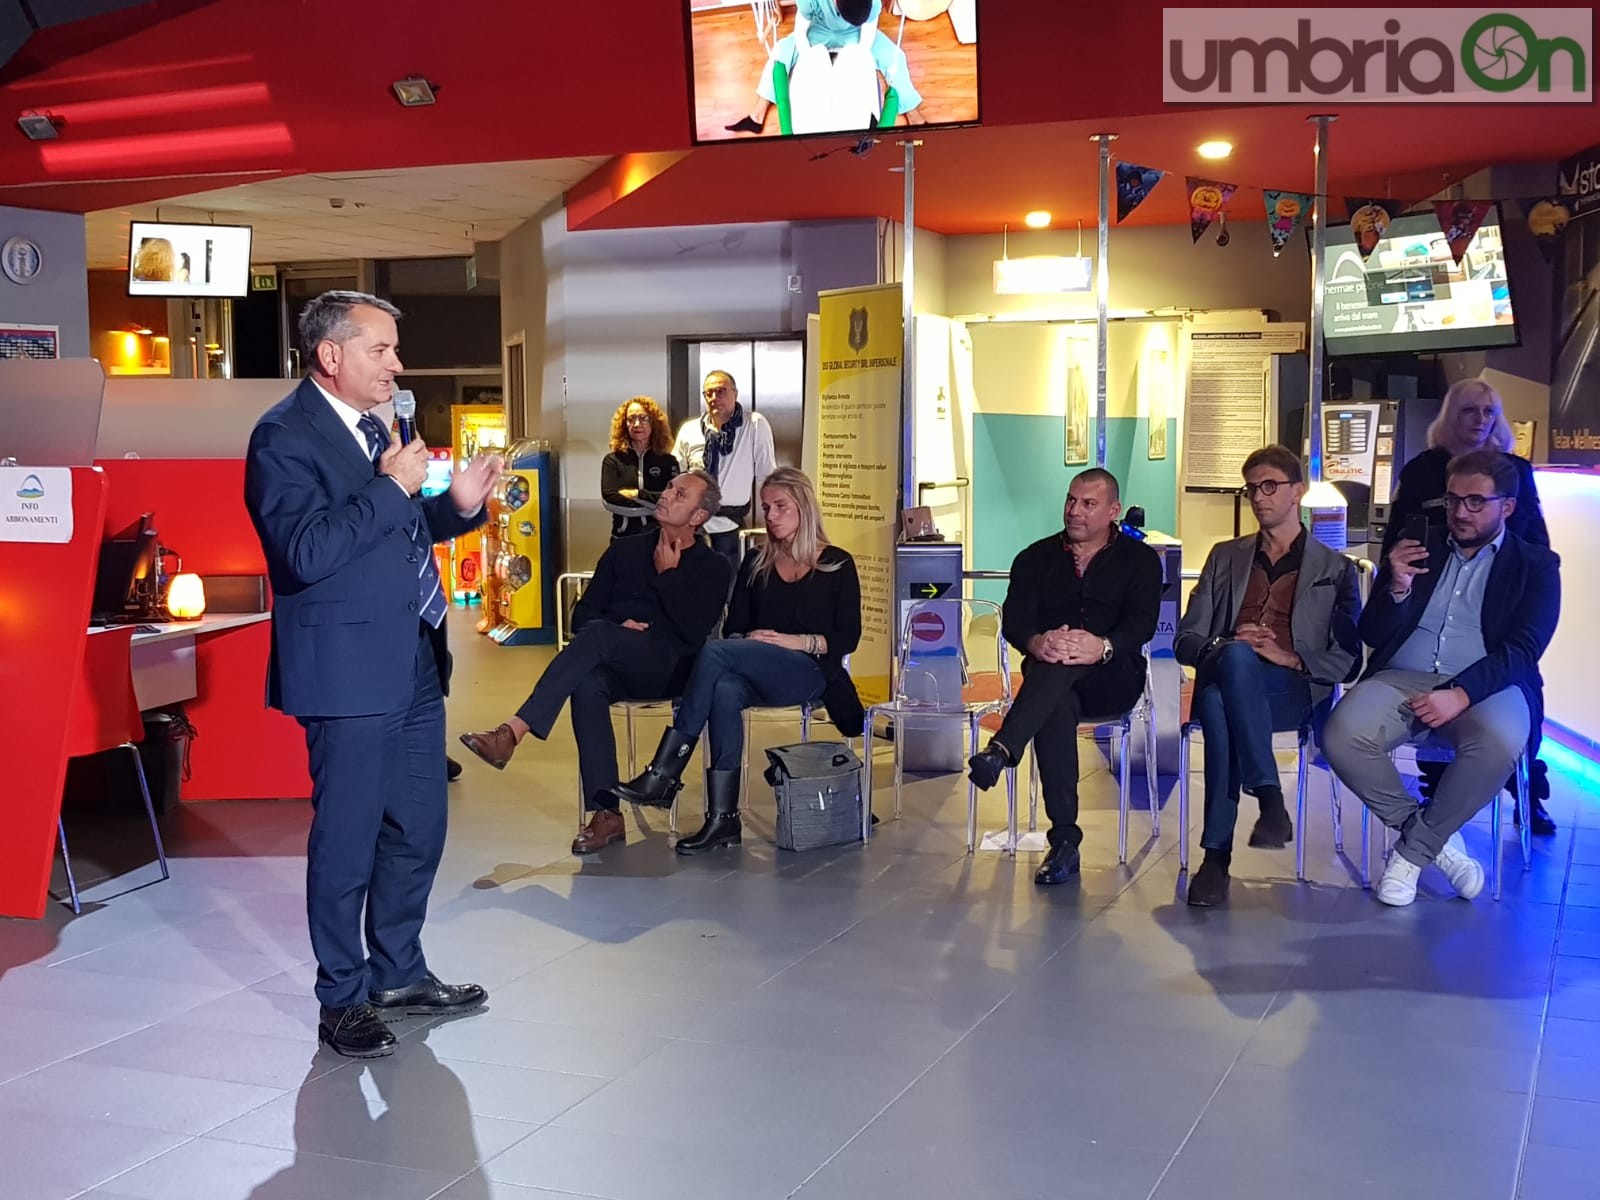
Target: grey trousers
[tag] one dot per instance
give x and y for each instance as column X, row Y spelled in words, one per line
column 1372, row 720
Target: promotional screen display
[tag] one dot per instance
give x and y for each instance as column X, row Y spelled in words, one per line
column 770, row 70
column 165, row 259
column 1409, row 295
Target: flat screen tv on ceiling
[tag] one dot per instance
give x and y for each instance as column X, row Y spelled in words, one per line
column 188, row 261
column 1409, row 296
column 771, row 69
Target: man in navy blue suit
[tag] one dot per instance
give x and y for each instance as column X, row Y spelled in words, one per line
column 358, row 657
column 1457, row 626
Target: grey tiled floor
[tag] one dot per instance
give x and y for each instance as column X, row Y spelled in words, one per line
column 895, row 1021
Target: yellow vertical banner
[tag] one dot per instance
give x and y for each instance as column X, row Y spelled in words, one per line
column 858, row 458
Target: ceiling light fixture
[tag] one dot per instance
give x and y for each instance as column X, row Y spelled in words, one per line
column 40, row 127
column 1214, row 149
column 414, row 91
column 1038, row 219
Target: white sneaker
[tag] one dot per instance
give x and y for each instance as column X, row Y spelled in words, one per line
column 1462, row 870
column 1398, row 887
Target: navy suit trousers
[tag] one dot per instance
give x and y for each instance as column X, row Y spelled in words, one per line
column 378, row 795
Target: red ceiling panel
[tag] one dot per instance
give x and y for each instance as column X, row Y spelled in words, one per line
column 180, row 96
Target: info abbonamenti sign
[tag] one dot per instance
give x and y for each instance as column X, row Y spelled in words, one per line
column 1377, row 55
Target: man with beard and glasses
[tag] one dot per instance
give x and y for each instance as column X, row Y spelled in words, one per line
column 1456, row 626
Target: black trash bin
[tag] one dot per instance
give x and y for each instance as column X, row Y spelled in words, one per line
column 167, row 734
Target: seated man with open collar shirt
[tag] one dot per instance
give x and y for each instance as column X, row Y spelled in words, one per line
column 1081, row 605
column 1270, row 628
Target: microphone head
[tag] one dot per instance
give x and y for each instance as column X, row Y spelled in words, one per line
column 405, row 406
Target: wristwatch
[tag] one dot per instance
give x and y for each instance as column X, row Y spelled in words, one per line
column 1105, row 650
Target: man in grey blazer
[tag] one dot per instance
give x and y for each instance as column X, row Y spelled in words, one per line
column 1270, row 628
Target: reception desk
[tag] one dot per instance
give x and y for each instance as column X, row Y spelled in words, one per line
column 163, row 656
column 1571, row 500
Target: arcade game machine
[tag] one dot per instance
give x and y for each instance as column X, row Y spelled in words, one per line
column 526, row 566
column 437, row 483
column 474, row 429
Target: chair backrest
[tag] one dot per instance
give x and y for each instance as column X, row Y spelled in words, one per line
column 952, row 654
column 104, row 710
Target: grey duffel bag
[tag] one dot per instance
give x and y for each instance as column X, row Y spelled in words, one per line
column 818, row 787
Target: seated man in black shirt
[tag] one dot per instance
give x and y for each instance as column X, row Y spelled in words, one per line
column 651, row 605
column 1081, row 605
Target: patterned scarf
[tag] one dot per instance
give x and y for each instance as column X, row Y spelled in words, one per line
column 719, row 443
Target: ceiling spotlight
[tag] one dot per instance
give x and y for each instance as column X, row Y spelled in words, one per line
column 40, row 127
column 1038, row 219
column 414, row 91
column 1214, row 149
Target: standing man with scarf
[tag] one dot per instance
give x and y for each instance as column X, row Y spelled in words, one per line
column 734, row 447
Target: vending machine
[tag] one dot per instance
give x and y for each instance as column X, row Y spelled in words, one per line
column 526, row 564
column 474, row 429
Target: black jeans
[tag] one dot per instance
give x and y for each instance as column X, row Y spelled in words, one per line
column 1052, row 700
column 603, row 663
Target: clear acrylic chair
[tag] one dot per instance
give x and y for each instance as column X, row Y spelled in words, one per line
column 1117, row 730
column 954, row 665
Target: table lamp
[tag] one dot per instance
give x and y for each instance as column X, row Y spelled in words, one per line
column 186, row 597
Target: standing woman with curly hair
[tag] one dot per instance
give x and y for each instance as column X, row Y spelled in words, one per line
column 639, row 467
column 795, row 614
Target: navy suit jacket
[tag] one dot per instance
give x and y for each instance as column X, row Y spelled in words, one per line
column 341, row 562
column 1521, row 604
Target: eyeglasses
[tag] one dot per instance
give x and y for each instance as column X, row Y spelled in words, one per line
column 637, row 418
column 1267, row 487
column 711, row 393
column 1473, row 503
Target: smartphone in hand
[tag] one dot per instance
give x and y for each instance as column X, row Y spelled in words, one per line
column 1415, row 529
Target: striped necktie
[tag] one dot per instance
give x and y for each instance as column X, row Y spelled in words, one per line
column 430, row 591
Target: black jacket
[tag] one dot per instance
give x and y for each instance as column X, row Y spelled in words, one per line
column 619, row 470
column 1521, row 604
column 1420, row 489
column 681, row 605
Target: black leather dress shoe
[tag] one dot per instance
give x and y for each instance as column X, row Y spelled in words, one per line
column 1058, row 866
column 430, row 998
column 1540, row 822
column 985, row 767
column 355, row 1031
column 452, row 769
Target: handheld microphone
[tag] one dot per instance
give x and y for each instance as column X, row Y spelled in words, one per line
column 405, row 415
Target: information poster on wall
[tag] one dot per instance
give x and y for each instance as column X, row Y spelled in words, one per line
column 858, row 458
column 36, row 504
column 1226, row 399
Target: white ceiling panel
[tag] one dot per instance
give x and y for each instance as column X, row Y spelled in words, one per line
column 416, row 212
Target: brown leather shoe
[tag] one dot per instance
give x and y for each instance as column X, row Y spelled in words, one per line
column 604, row 827
column 495, row 746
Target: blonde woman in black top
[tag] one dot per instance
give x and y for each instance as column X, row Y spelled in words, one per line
column 795, row 614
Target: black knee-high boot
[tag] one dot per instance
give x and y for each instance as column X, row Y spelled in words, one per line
column 722, row 826
column 664, row 776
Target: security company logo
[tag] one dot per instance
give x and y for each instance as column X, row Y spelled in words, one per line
column 1377, row 55
column 858, row 329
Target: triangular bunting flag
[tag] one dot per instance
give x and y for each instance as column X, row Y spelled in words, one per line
column 1547, row 220
column 1133, row 185
column 1207, row 199
column 1369, row 220
column 1284, row 210
column 1459, row 221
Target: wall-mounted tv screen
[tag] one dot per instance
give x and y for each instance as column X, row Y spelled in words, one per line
column 784, row 68
column 1410, row 296
column 167, row 259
